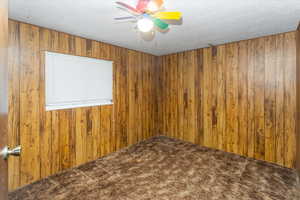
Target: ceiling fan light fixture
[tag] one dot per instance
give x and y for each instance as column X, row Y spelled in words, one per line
column 149, row 14
column 145, row 25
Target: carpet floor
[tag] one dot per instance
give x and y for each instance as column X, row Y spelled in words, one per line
column 167, row 169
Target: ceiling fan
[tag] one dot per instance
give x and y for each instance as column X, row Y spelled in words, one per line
column 148, row 14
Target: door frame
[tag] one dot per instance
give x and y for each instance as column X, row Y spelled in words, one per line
column 3, row 96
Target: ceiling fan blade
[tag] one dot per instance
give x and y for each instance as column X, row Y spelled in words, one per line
column 168, row 15
column 124, row 18
column 142, row 5
column 128, row 11
column 160, row 24
column 128, row 7
column 159, row 3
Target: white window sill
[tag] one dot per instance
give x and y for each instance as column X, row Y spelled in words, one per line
column 50, row 107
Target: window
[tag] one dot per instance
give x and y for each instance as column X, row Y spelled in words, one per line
column 74, row 81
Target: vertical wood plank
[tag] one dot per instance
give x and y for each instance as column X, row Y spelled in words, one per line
column 207, row 67
column 106, row 116
column 232, row 97
column 96, row 111
column 53, row 117
column 214, row 99
column 259, row 99
column 133, row 95
column 45, row 117
column 29, row 106
column 55, row 140
column 138, row 95
column 174, row 92
column 89, row 133
column 199, row 82
column 71, row 46
column 189, row 97
column 89, row 115
column 14, row 103
column 167, row 128
column 113, row 123
column 280, row 101
column 270, row 99
column 159, row 98
column 243, row 98
column 143, row 75
column 290, row 98
column 81, row 132
column 298, row 98
column 181, row 95
column 81, row 114
column 65, row 131
column 121, row 99
column 251, row 98
column 72, row 137
column 95, row 117
column 221, row 97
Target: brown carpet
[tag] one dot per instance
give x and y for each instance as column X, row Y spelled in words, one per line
column 166, row 169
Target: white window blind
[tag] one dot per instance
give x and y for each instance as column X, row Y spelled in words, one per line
column 74, row 81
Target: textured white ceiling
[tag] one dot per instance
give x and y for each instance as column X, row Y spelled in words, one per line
column 204, row 21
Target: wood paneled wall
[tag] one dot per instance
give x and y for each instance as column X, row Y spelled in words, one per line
column 3, row 95
column 298, row 99
column 238, row 97
column 57, row 140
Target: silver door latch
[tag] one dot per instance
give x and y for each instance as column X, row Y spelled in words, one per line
column 6, row 152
